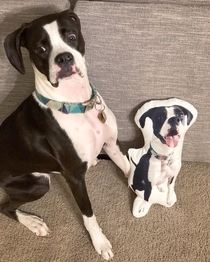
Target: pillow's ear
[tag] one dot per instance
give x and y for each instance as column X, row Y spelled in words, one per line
column 12, row 45
column 187, row 113
column 149, row 113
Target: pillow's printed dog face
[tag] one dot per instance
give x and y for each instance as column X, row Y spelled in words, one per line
column 56, row 46
column 169, row 122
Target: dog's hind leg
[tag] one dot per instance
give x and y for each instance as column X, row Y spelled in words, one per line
column 112, row 149
column 23, row 189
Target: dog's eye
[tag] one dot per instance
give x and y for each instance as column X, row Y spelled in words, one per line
column 41, row 49
column 71, row 37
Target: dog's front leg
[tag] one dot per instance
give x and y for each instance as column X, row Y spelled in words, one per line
column 79, row 190
column 113, row 151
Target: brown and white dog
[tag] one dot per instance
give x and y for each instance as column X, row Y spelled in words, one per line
column 62, row 126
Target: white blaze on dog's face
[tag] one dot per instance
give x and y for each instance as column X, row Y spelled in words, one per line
column 64, row 60
column 55, row 44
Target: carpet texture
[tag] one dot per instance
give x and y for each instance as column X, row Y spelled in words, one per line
column 180, row 233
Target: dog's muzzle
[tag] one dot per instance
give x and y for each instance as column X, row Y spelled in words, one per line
column 65, row 67
column 64, row 60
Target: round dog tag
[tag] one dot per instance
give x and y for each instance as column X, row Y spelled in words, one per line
column 102, row 117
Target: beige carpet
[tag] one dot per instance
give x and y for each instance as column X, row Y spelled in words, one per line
column 177, row 234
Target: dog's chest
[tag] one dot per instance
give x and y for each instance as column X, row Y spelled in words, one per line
column 87, row 133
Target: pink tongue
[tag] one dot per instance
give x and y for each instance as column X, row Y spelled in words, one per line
column 172, row 141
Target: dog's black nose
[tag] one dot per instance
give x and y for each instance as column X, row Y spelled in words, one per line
column 64, row 59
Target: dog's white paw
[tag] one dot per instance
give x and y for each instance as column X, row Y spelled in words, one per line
column 171, row 199
column 99, row 240
column 140, row 207
column 33, row 223
column 103, row 247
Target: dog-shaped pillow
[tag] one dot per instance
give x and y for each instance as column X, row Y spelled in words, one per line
column 154, row 167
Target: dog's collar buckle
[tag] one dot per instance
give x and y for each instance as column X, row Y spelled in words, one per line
column 90, row 103
column 68, row 107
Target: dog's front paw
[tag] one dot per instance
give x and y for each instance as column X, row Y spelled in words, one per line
column 140, row 207
column 171, row 199
column 103, row 247
column 99, row 240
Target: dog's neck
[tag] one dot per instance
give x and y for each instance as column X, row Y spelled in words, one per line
column 73, row 89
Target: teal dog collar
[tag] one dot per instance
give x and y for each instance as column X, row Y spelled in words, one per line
column 68, row 107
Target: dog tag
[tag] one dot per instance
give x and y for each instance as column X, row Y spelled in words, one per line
column 102, row 116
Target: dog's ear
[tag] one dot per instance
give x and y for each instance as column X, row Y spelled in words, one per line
column 72, row 4
column 149, row 113
column 187, row 113
column 12, row 46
